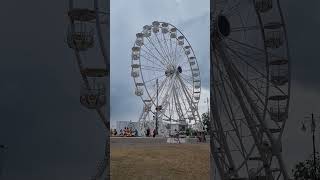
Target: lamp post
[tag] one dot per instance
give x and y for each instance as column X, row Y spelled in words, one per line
column 157, row 108
column 207, row 101
column 313, row 129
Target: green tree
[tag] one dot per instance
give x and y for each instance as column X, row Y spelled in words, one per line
column 206, row 121
column 305, row 170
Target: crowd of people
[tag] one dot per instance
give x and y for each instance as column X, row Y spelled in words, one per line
column 149, row 134
column 129, row 132
column 126, row 132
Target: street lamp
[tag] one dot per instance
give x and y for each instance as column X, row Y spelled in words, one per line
column 313, row 129
column 207, row 101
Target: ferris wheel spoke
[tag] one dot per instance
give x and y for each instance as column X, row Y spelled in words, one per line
column 162, row 83
column 168, row 49
column 163, row 46
column 163, row 58
column 151, row 69
column 154, row 56
column 166, row 102
column 166, row 98
column 190, row 87
column 155, row 66
column 240, row 148
column 187, row 78
column 154, row 79
column 161, row 88
column 231, row 114
column 251, row 57
column 181, row 58
column 253, row 48
column 262, row 75
column 171, row 51
column 246, row 62
column 175, row 53
column 186, row 92
column 189, row 101
column 178, row 104
column 183, row 100
column 168, row 89
column 163, row 50
column 161, row 91
column 171, row 110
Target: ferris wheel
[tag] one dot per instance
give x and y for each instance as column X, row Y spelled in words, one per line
column 251, row 88
column 86, row 36
column 166, row 77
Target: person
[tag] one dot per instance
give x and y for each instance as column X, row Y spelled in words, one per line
column 176, row 136
column 199, row 136
column 154, row 133
column 121, row 133
column 136, row 132
column 130, row 132
column 115, row 132
column 148, row 132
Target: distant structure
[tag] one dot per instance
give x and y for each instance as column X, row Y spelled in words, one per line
column 87, row 36
column 166, row 75
column 250, row 89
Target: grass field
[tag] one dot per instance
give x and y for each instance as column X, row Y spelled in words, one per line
column 160, row 162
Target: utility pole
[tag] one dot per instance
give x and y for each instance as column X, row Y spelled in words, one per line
column 208, row 109
column 157, row 108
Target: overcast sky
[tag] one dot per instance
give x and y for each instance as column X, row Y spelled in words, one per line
column 51, row 136
column 127, row 19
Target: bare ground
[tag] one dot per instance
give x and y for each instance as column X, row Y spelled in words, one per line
column 160, row 161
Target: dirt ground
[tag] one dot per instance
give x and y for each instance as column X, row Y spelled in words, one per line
column 160, row 162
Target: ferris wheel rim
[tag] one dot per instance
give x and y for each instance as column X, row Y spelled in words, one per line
column 191, row 68
column 190, row 47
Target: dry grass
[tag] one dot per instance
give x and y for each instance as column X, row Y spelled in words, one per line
column 160, row 162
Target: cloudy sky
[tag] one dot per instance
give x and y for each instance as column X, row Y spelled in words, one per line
column 51, row 136
column 127, row 19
